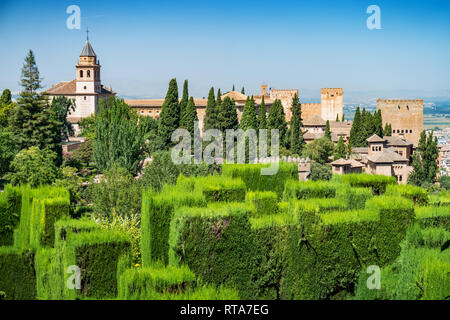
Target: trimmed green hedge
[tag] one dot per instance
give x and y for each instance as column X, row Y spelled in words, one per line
column 417, row 194
column 262, row 202
column 354, row 198
column 154, row 283
column 433, row 216
column 66, row 225
column 157, row 212
column 219, row 188
column 309, row 189
column 215, row 243
column 98, row 255
column 17, row 275
column 10, row 204
column 255, row 181
column 377, row 183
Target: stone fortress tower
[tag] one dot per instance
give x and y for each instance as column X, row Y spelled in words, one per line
column 285, row 96
column 332, row 103
column 405, row 116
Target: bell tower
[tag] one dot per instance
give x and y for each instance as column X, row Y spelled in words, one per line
column 88, row 71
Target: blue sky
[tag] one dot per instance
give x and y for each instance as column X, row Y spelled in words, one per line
column 288, row 44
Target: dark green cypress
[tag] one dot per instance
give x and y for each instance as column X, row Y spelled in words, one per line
column 170, row 115
column 378, row 123
column 327, row 130
column 243, row 90
column 249, row 120
column 277, row 120
column 387, row 131
column 183, row 103
column 262, row 120
column 210, row 121
column 190, row 116
column 341, row 150
column 227, row 116
column 296, row 135
column 356, row 132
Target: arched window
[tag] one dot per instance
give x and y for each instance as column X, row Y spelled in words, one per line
column 89, row 73
column 81, row 73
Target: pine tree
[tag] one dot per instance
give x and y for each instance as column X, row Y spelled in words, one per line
column 183, row 103
column 30, row 81
column 211, row 113
column 262, row 121
column 296, row 135
column 378, row 123
column 190, row 116
column 5, row 99
column 227, row 117
column 276, row 120
column 248, row 119
column 341, row 150
column 170, row 115
column 387, row 130
column 243, row 90
column 356, row 130
column 327, row 130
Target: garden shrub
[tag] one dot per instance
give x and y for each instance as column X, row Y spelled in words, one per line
column 97, row 254
column 10, row 204
column 440, row 199
column 157, row 212
column 429, row 216
column 378, row 183
column 417, row 194
column 255, row 181
column 40, row 209
column 67, row 225
column 49, row 273
column 17, row 275
column 215, row 243
column 154, row 283
column 354, row 198
column 309, row 189
column 221, row 188
column 262, row 202
column 324, row 254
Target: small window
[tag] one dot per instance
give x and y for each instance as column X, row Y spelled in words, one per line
column 398, row 107
column 85, row 88
column 89, row 73
column 81, row 73
column 84, row 97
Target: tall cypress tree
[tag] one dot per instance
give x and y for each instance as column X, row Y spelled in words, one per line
column 233, row 88
column 227, row 117
column 378, row 123
column 170, row 115
column 356, row 130
column 219, row 99
column 210, row 121
column 249, row 120
column 343, row 118
column 262, row 121
column 183, row 103
column 277, row 120
column 424, row 161
column 368, row 126
column 243, row 90
column 296, row 135
column 337, row 118
column 327, row 130
column 387, row 131
column 190, row 116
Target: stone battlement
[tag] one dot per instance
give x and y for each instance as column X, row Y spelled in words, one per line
column 337, row 91
column 393, row 101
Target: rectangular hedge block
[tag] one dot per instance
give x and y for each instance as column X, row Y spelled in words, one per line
column 377, row 183
column 10, row 204
column 17, row 275
column 98, row 254
column 309, row 189
column 154, row 283
column 157, row 212
column 262, row 202
column 215, row 243
column 417, row 194
column 255, row 181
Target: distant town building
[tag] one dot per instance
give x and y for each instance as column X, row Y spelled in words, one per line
column 86, row 89
column 389, row 156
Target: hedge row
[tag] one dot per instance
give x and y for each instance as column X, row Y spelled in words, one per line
column 309, row 189
column 418, row 195
column 262, row 202
column 433, row 216
column 377, row 183
column 10, row 204
column 17, row 275
column 157, row 212
column 252, row 175
column 420, row 272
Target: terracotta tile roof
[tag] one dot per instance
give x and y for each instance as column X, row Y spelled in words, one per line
column 375, row 138
column 313, row 135
column 340, row 162
column 316, row 120
column 397, row 141
column 340, row 124
column 388, row 155
column 64, row 87
column 237, row 96
column 157, row 103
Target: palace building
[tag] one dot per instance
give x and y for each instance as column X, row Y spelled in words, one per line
column 86, row 89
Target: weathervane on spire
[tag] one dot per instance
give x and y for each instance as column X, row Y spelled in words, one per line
column 87, row 34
